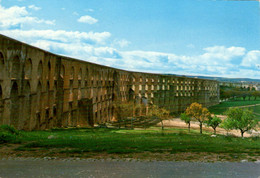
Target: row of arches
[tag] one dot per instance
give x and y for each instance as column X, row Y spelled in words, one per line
column 108, row 85
column 15, row 68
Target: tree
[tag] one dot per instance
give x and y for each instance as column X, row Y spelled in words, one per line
column 243, row 120
column 249, row 94
column 243, row 94
column 160, row 113
column 124, row 110
column 186, row 119
column 213, row 122
column 196, row 111
column 256, row 94
column 226, row 124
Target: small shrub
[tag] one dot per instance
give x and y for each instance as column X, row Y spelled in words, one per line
column 6, row 138
column 9, row 129
column 8, row 134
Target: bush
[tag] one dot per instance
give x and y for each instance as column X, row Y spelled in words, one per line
column 8, row 134
column 6, row 138
column 9, row 129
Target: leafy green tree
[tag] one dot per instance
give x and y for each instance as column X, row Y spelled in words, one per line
column 256, row 94
column 160, row 113
column 243, row 120
column 243, row 94
column 249, row 94
column 213, row 122
column 227, row 125
column 123, row 110
column 199, row 113
column 186, row 119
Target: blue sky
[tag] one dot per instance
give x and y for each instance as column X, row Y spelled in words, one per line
column 190, row 37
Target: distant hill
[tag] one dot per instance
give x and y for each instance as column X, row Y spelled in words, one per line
column 223, row 79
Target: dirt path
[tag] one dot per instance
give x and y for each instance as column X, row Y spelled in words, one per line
column 177, row 122
column 247, row 106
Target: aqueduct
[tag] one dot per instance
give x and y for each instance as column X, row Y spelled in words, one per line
column 40, row 90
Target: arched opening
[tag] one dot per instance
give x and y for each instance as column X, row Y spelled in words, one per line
column 1, row 93
column 1, row 105
column 15, row 68
column 26, row 119
column 2, row 65
column 80, row 74
column 72, row 73
column 38, row 121
column 62, row 71
column 49, row 70
column 39, row 107
column 40, row 70
column 56, row 71
column 48, row 94
column 79, row 91
column 55, row 90
column 86, row 77
column 39, row 99
column 47, row 116
column 71, row 91
column 14, row 119
column 28, row 68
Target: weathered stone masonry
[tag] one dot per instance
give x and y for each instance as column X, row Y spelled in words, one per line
column 40, row 90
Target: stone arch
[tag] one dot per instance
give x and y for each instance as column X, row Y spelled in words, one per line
column 62, row 71
column 47, row 118
column 26, row 119
column 80, row 74
column 49, row 70
column 71, row 91
column 1, row 92
column 2, row 65
column 39, row 99
column 79, row 90
column 1, row 105
column 39, row 106
column 48, row 93
column 87, row 74
column 28, row 68
column 86, row 77
column 15, row 67
column 72, row 70
column 56, row 71
column 40, row 68
column 14, row 98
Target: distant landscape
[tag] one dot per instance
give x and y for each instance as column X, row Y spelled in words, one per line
column 223, row 79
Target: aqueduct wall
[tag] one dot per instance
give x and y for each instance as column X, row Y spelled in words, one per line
column 40, row 90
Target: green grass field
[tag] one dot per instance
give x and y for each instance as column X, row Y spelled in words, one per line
column 134, row 141
column 223, row 106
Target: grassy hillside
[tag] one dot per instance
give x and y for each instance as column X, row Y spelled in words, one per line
column 238, row 102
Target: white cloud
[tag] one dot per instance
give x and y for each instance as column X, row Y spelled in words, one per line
column 120, row 43
column 58, row 35
column 33, row 7
column 87, row 19
column 94, row 47
column 89, row 10
column 251, row 59
column 17, row 16
column 222, row 53
column 63, row 8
